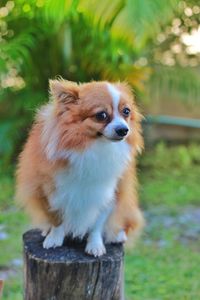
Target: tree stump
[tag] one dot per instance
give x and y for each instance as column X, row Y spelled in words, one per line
column 67, row 273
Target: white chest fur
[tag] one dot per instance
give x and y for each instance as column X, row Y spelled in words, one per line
column 87, row 186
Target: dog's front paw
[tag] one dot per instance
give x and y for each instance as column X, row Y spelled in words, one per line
column 44, row 232
column 54, row 238
column 95, row 248
column 121, row 237
column 52, row 242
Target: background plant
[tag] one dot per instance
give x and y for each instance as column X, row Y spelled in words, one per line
column 83, row 40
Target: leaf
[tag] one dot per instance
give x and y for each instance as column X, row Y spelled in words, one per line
column 57, row 11
column 142, row 19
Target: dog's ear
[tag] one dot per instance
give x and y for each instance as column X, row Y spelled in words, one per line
column 64, row 91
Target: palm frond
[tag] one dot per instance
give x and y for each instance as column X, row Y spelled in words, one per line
column 142, row 19
column 19, row 47
column 101, row 12
column 56, row 12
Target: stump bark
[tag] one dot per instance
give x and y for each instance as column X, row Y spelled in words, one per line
column 67, row 273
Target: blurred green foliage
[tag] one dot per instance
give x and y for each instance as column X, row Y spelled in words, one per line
column 80, row 40
column 164, row 157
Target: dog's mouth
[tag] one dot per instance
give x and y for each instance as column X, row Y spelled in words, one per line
column 116, row 139
column 112, row 139
column 99, row 134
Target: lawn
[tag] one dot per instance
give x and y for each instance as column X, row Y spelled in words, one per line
column 165, row 262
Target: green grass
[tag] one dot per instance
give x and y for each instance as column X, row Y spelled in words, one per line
column 170, row 273
column 164, row 265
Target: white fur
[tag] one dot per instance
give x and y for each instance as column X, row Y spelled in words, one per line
column 49, row 136
column 55, row 237
column 95, row 245
column 87, row 186
column 117, row 120
column 115, row 93
column 121, row 237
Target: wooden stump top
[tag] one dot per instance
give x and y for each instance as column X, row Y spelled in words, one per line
column 72, row 251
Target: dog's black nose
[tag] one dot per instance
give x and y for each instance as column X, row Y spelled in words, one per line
column 121, row 131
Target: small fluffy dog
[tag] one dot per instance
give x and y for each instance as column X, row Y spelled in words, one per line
column 76, row 174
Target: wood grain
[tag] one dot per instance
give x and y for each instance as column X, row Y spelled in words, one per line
column 67, row 273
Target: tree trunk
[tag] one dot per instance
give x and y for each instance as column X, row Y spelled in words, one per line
column 67, row 273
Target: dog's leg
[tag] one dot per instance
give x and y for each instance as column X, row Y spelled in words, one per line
column 55, row 237
column 111, row 237
column 95, row 245
column 45, row 228
column 121, row 237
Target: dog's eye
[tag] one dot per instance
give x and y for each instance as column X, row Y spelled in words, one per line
column 126, row 111
column 101, row 116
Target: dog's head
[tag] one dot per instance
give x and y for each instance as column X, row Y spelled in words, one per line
column 91, row 111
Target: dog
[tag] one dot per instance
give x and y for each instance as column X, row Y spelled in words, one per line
column 76, row 175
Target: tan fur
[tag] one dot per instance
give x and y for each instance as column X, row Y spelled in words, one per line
column 35, row 180
column 72, row 121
